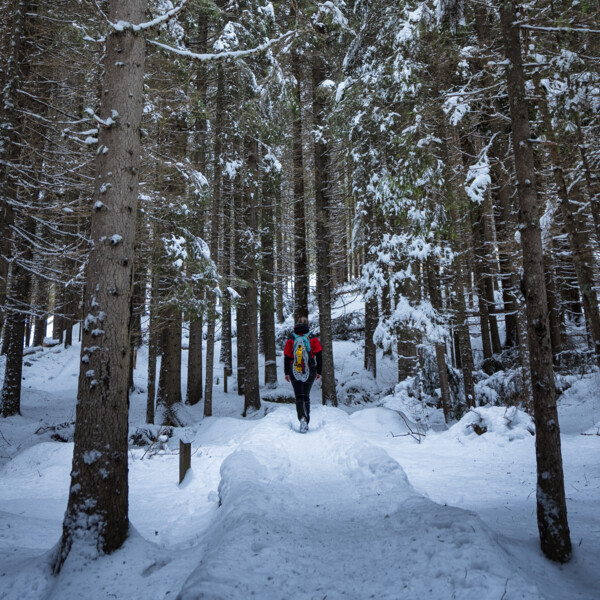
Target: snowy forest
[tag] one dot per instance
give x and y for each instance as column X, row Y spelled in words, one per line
column 182, row 182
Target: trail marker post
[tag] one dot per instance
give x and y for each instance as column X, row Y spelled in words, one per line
column 185, row 458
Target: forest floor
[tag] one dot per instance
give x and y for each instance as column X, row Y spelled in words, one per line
column 357, row 508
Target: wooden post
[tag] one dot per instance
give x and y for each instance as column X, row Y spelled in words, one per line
column 185, row 459
column 225, row 379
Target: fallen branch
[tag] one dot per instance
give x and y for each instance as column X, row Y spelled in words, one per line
column 416, row 435
column 44, row 429
column 162, row 431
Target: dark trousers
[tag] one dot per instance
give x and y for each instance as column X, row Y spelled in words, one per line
column 302, row 393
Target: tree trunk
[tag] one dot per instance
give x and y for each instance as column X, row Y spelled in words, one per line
column 440, row 349
column 15, row 71
column 464, row 336
column 478, row 249
column 135, row 323
column 490, row 267
column 154, row 328
column 41, row 307
column 97, row 511
column 551, row 505
column 239, row 266
column 553, row 309
column 371, row 303
column 152, row 359
column 408, row 337
column 300, row 256
column 251, row 383
column 323, row 190
column 16, row 299
column 462, row 270
column 460, row 249
column 215, row 226
column 198, row 158
column 228, row 243
column 195, row 359
column 371, row 321
column 169, row 377
column 271, row 197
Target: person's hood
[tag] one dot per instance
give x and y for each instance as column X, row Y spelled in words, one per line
column 301, row 328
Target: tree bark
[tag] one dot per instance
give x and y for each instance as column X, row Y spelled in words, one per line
column 251, row 383
column 154, row 328
column 270, row 197
column 14, row 331
column 215, row 226
column 371, row 321
column 228, row 243
column 41, row 308
column 97, row 511
column 16, row 69
column 551, row 504
column 239, row 266
column 460, row 248
column 323, row 208
column 372, row 313
column 169, row 377
column 440, row 350
column 195, row 371
column 553, row 309
column 408, row 337
column 300, row 255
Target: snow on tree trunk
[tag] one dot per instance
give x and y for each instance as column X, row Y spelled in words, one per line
column 96, row 519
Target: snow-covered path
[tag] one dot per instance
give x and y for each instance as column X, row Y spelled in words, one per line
column 328, row 515
column 272, row 514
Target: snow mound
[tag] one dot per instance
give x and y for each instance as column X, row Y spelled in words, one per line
column 386, row 421
column 39, row 469
column 405, row 400
column 502, row 423
column 579, row 406
column 329, row 515
column 117, row 575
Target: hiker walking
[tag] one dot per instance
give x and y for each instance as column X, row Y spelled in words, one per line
column 302, row 365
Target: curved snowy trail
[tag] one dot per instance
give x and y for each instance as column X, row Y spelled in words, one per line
column 327, row 515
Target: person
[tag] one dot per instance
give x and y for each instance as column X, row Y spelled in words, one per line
column 302, row 388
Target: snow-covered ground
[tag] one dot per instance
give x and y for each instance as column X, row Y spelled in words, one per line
column 358, row 508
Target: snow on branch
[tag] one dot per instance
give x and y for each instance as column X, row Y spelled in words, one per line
column 562, row 29
column 170, row 14
column 478, row 178
column 229, row 54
